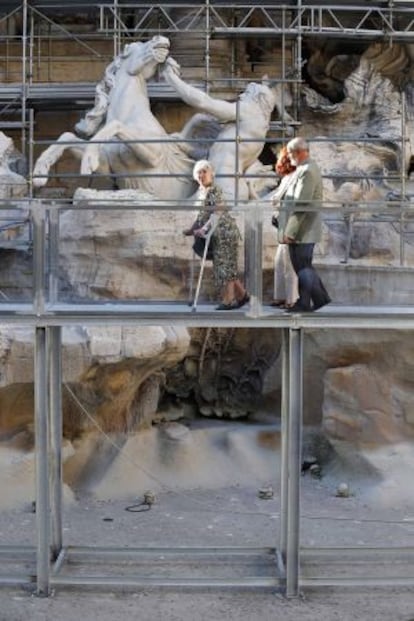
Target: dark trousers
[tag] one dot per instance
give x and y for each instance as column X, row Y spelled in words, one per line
column 312, row 293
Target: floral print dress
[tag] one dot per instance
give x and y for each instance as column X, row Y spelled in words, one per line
column 225, row 238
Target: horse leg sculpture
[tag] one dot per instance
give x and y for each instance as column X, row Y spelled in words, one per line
column 53, row 153
column 148, row 153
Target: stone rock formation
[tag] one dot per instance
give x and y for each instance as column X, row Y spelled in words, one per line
column 224, row 372
column 125, row 254
column 12, row 184
column 356, row 388
column 112, row 378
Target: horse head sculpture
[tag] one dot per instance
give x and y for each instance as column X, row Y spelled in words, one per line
column 121, row 138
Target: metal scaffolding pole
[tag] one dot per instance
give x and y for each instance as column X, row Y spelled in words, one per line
column 253, row 234
column 53, row 256
column 41, row 401
column 403, row 170
column 24, row 79
column 54, row 365
column 207, row 50
column 38, row 213
column 284, row 443
column 294, row 460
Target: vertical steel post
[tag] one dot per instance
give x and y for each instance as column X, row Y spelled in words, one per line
column 31, row 36
column 55, row 404
column 403, row 178
column 23, row 147
column 207, row 50
column 237, row 155
column 284, row 431
column 283, row 71
column 31, row 150
column 53, row 254
column 38, row 213
column 117, row 43
column 253, row 258
column 298, row 58
column 42, row 463
column 294, row 460
column 253, row 228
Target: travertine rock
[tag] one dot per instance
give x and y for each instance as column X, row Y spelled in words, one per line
column 111, row 375
column 142, row 254
column 12, row 184
column 361, row 381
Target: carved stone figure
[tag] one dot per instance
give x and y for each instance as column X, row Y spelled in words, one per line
column 245, row 125
column 11, row 183
column 122, row 115
column 366, row 167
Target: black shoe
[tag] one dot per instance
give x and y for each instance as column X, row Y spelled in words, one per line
column 297, row 308
column 317, row 306
column 232, row 306
column 244, row 300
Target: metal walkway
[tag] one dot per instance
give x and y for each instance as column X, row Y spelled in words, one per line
column 52, row 557
column 164, row 313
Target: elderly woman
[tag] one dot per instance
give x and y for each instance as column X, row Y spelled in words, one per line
column 214, row 217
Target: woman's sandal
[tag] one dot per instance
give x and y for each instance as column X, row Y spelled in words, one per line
column 235, row 303
column 278, row 303
column 245, row 299
column 231, row 306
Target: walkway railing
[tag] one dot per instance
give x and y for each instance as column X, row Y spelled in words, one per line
column 45, row 225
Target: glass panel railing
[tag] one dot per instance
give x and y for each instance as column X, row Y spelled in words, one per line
column 16, row 244
column 125, row 252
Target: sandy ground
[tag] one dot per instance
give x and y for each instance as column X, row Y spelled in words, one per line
column 326, row 606
column 223, row 517
column 189, row 512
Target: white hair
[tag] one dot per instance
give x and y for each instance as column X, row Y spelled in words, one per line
column 297, row 144
column 200, row 165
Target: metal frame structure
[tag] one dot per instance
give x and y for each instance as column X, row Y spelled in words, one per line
column 46, row 314
column 117, row 22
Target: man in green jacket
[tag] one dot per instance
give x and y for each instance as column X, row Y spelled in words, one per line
column 304, row 228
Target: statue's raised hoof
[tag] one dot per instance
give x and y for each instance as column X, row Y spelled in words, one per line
column 39, row 182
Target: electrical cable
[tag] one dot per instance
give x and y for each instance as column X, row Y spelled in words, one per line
column 126, row 457
column 149, row 498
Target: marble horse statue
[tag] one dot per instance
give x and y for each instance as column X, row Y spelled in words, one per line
column 120, row 135
column 122, row 116
column 244, row 125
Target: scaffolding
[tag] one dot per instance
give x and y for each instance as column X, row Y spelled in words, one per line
column 44, row 41
column 31, row 57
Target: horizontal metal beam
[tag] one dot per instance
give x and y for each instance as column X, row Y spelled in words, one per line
column 75, row 93
column 16, row 580
column 270, row 582
column 337, row 552
column 225, row 32
column 152, row 314
column 14, row 552
column 80, row 553
column 357, row 581
column 18, row 554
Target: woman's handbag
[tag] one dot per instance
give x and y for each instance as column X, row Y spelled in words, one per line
column 199, row 246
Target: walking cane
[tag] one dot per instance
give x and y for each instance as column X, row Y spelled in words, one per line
column 191, row 279
column 200, row 276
